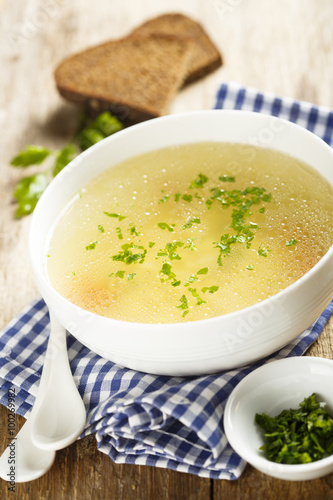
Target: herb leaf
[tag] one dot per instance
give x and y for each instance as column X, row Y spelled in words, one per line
column 187, row 197
column 210, row 289
column 263, row 251
column 164, row 199
column 170, row 250
column 107, row 124
column 92, row 245
column 195, row 294
column 204, row 270
column 190, row 223
column 31, row 155
column 164, row 225
column 120, row 274
column 226, row 178
column 183, row 305
column 198, row 182
column 65, row 156
column 291, row 243
column 127, row 256
column 116, row 216
column 27, row 192
column 88, row 137
column 190, row 244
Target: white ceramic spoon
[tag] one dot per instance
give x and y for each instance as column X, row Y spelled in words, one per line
column 32, row 461
column 61, row 416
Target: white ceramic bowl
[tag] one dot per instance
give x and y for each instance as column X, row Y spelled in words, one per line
column 274, row 387
column 209, row 345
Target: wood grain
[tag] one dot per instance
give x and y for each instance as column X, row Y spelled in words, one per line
column 277, row 45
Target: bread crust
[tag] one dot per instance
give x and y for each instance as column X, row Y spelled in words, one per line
column 205, row 56
column 135, row 77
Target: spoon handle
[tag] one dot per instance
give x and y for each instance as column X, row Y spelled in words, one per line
column 30, row 462
column 61, row 415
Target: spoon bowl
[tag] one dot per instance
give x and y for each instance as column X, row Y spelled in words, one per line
column 57, row 417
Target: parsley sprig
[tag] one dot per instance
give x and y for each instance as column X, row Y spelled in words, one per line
column 30, row 188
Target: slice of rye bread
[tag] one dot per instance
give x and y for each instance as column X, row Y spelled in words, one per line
column 205, row 56
column 135, row 77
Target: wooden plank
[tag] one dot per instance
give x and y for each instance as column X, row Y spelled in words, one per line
column 277, row 45
column 82, row 472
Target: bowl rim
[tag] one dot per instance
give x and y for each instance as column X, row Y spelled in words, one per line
column 250, row 455
column 61, row 177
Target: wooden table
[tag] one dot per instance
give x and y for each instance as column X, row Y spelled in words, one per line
column 279, row 46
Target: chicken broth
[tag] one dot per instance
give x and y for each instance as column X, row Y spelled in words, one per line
column 190, row 232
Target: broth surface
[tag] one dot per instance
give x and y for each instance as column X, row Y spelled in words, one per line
column 190, row 232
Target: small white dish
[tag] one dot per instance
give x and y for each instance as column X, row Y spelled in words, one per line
column 274, row 387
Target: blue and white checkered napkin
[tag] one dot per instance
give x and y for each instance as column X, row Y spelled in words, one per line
column 146, row 419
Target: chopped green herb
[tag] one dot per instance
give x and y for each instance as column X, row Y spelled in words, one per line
column 291, row 243
column 210, row 289
column 164, row 225
column 195, row 294
column 224, row 246
column 199, row 182
column 297, row 436
column 190, row 244
column 120, row 274
column 104, row 125
column 226, row 178
column 177, row 196
column 151, row 244
column 176, row 283
column 119, row 233
column 116, row 216
column 107, row 124
column 31, row 155
column 73, row 273
column 192, row 279
column 183, row 305
column 170, row 250
column 187, row 197
column 65, row 156
column 164, row 199
column 132, row 229
column 101, row 228
column 262, row 210
column 130, row 276
column 250, row 267
column 91, row 246
column 267, row 197
column 204, row 270
column 263, row 251
column 166, row 269
column 127, row 256
column 190, row 223
column 27, row 192
column 88, row 137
